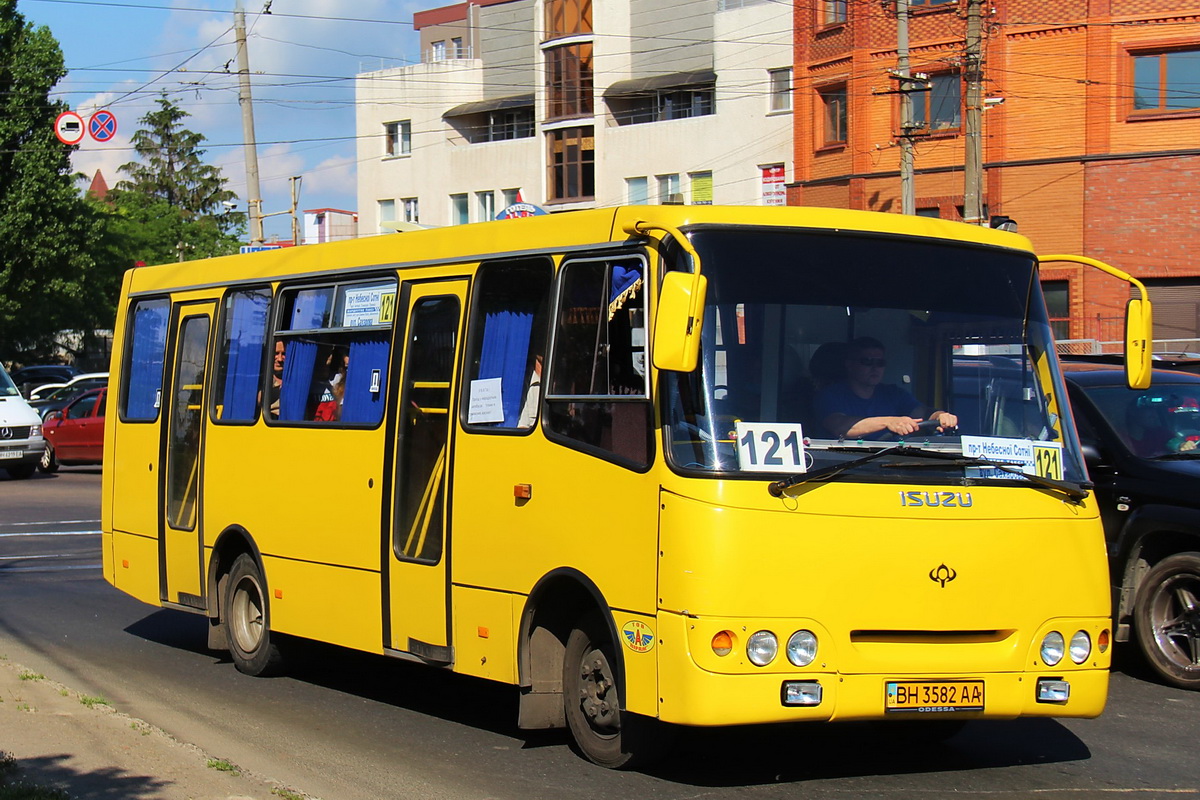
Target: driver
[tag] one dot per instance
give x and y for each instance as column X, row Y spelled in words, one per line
column 863, row 407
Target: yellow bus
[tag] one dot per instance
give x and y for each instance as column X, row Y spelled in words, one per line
column 599, row 456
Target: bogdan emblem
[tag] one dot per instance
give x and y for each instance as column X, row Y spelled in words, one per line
column 638, row 636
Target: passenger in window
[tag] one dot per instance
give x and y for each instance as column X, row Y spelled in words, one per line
column 333, row 390
column 863, row 407
column 532, row 395
column 276, row 379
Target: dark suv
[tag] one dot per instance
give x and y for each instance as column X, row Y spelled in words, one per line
column 1143, row 453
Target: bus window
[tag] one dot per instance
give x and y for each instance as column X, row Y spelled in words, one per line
column 240, row 364
column 142, row 393
column 597, row 393
column 510, row 313
column 331, row 352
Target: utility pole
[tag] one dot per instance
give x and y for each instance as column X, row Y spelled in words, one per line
column 908, row 201
column 295, row 202
column 973, row 73
column 254, row 196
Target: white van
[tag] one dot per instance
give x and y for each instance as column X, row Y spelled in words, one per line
column 21, row 442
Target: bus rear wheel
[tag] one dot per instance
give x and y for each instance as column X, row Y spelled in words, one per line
column 605, row 734
column 247, row 621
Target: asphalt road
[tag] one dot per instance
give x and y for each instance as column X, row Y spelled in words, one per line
column 345, row 725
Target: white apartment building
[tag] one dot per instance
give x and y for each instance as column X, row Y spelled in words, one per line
column 574, row 104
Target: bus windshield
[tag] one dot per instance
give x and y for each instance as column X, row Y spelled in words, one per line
column 808, row 332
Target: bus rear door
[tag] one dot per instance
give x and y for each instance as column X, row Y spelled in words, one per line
column 181, row 540
column 417, row 581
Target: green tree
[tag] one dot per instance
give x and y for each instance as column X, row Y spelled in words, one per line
column 44, row 224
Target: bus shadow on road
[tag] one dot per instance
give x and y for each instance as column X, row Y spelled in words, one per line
column 719, row 757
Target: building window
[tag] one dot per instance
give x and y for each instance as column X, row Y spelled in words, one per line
column 568, row 17
column 397, row 138
column 514, row 124
column 485, row 204
column 833, row 12
column 833, row 115
column 460, row 210
column 781, row 89
column 637, row 191
column 438, row 51
column 1058, row 307
column 663, row 104
column 1164, row 82
column 412, row 211
column 569, row 83
column 702, row 188
column 456, row 48
column 387, row 213
column 939, row 109
column 572, row 160
column 511, row 196
column 668, row 189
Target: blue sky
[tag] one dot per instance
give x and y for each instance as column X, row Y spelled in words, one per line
column 304, row 54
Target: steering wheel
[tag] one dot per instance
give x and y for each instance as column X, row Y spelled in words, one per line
column 926, row 427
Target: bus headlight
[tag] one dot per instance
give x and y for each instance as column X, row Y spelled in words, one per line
column 802, row 648
column 1052, row 648
column 761, row 648
column 1081, row 647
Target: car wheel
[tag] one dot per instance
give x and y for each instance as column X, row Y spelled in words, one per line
column 49, row 462
column 1167, row 619
column 604, row 733
column 247, row 620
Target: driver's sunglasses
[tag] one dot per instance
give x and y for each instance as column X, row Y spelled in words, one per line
column 873, row 362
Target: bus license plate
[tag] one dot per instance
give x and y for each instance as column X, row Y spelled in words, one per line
column 934, row 696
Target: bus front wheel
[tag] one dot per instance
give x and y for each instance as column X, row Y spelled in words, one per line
column 247, row 622
column 591, row 695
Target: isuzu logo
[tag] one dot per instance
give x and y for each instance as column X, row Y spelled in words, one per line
column 942, row 574
column 932, row 499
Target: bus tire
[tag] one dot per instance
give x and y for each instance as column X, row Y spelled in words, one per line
column 49, row 462
column 1167, row 619
column 247, row 620
column 604, row 734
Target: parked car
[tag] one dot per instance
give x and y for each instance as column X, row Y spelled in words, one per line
column 75, row 435
column 26, row 378
column 57, row 399
column 1183, row 361
column 1143, row 454
column 21, row 443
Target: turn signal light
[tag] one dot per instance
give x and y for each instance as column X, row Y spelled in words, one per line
column 1102, row 641
column 722, row 643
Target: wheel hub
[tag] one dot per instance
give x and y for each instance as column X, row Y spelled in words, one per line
column 596, row 695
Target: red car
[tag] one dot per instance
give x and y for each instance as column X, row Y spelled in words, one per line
column 75, row 435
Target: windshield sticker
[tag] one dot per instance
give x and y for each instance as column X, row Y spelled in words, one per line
column 1030, row 457
column 771, row 447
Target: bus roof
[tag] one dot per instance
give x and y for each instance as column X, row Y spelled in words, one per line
column 515, row 237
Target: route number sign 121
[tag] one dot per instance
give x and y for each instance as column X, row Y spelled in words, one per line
column 770, row 447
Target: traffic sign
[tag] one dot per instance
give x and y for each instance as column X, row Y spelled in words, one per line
column 69, row 128
column 103, row 125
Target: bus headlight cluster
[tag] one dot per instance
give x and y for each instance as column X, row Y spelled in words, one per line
column 762, row 647
column 1054, row 647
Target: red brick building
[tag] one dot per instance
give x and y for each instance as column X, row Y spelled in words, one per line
column 1091, row 135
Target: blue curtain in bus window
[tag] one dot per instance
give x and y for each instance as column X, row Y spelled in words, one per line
column 247, row 337
column 146, row 360
column 359, row 403
column 299, row 358
column 505, row 355
column 625, row 283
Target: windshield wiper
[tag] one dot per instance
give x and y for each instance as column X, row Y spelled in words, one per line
column 1178, row 456
column 1076, row 492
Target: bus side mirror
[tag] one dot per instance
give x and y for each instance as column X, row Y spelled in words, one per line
column 676, row 332
column 1139, row 328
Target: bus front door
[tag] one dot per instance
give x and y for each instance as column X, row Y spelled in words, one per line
column 417, row 582
column 181, row 543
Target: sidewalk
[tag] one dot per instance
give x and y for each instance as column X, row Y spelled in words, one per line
column 63, row 740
